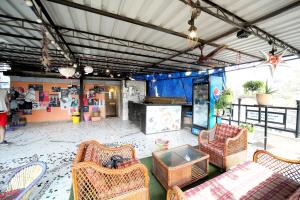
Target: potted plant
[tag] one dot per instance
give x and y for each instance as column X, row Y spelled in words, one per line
column 265, row 98
column 253, row 86
column 228, row 96
column 220, row 106
column 250, row 129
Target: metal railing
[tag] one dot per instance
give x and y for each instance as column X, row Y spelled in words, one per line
column 286, row 119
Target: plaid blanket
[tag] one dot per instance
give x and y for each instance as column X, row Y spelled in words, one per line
column 246, row 181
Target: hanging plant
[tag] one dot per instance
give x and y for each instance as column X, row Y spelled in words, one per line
column 45, row 54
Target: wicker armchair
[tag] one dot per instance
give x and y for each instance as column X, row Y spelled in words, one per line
column 93, row 181
column 22, row 182
column 282, row 166
column 225, row 144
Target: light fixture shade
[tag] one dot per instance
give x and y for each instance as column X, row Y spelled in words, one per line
column 66, row 71
column 88, row 69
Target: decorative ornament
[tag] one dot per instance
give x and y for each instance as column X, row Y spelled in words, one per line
column 272, row 59
column 45, row 54
column 66, row 71
column 88, row 69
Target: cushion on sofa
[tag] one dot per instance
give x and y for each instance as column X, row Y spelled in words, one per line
column 245, row 181
column 214, row 146
column 225, row 131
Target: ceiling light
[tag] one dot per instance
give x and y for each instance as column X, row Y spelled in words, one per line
column 38, row 20
column 77, row 74
column 118, row 75
column 111, row 75
column 28, row 3
column 62, row 53
column 130, row 78
column 192, row 32
column 58, row 48
column 169, row 75
column 75, row 65
column 107, row 71
column 66, row 71
column 52, row 42
column 88, row 69
column 95, row 73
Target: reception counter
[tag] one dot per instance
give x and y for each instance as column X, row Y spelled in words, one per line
column 155, row 118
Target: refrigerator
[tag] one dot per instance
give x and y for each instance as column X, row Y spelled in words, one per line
column 205, row 91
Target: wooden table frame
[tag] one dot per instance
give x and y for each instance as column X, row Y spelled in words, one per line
column 181, row 175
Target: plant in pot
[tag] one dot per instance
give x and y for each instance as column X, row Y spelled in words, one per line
column 250, row 129
column 220, row 106
column 265, row 98
column 228, row 96
column 253, row 87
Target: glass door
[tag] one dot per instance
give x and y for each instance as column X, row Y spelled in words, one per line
column 200, row 104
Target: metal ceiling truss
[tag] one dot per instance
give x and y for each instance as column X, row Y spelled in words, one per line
column 73, row 33
column 103, row 49
column 137, row 22
column 230, row 18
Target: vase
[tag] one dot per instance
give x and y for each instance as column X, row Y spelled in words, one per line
column 264, row 99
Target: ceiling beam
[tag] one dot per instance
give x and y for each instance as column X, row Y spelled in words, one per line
column 258, row 20
column 230, row 18
column 233, row 30
column 69, row 32
column 134, row 21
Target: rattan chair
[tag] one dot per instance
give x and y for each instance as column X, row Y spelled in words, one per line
column 25, row 178
column 93, row 181
column 225, row 144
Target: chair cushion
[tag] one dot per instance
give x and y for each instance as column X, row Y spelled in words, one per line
column 127, row 163
column 215, row 147
column 10, row 195
column 225, row 131
column 245, row 181
column 295, row 195
column 92, row 154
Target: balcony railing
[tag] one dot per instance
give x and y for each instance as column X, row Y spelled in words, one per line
column 286, row 119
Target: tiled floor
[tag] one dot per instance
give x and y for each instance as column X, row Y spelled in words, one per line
column 56, row 144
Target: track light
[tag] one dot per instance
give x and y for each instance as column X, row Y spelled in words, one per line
column 118, row 74
column 111, row 75
column 107, row 71
column 29, row 3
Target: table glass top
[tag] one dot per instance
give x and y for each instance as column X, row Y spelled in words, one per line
column 181, row 155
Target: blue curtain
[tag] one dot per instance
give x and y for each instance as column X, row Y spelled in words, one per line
column 175, row 84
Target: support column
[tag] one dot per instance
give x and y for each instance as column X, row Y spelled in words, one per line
column 298, row 120
column 81, row 94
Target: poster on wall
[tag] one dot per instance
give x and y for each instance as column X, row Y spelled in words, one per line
column 98, row 89
column 73, row 89
column 36, row 87
column 54, row 100
column 64, row 93
column 35, row 106
column 27, row 112
column 56, row 89
column 64, row 103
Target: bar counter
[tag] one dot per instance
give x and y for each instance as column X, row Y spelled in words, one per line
column 155, row 118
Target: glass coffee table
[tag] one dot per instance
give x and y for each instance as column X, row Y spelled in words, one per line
column 179, row 166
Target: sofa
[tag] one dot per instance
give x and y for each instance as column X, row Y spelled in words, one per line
column 93, row 179
column 225, row 144
column 267, row 177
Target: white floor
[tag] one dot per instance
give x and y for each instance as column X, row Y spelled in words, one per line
column 56, row 144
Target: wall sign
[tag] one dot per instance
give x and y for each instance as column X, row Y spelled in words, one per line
column 273, row 117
